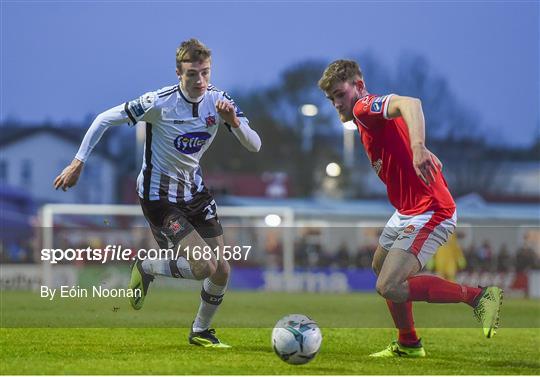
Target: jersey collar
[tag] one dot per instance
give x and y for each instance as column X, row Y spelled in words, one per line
column 187, row 98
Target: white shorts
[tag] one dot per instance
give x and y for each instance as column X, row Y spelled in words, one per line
column 421, row 235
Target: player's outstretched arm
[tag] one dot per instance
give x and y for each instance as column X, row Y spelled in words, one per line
column 71, row 173
column 426, row 164
column 239, row 127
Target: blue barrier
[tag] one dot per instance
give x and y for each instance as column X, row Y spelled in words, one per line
column 303, row 280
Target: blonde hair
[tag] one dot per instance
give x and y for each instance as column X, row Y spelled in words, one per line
column 191, row 51
column 339, row 71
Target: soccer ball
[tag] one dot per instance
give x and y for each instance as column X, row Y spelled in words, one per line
column 296, row 339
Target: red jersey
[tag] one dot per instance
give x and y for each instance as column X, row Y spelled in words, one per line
column 388, row 147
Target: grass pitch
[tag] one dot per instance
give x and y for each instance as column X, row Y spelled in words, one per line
column 105, row 336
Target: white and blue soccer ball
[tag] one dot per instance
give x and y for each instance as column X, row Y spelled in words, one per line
column 296, row 339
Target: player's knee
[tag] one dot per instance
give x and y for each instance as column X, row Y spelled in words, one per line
column 210, row 268
column 204, row 269
column 386, row 288
column 223, row 268
column 380, row 288
column 221, row 276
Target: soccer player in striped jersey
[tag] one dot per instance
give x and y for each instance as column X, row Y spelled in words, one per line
column 181, row 122
column 392, row 131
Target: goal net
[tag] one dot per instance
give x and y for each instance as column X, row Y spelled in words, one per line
column 94, row 244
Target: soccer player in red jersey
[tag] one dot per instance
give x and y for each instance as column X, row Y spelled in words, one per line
column 392, row 131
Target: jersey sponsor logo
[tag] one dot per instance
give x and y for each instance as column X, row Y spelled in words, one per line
column 192, row 142
column 377, row 104
column 179, row 121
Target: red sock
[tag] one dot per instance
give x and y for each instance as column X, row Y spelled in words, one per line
column 403, row 319
column 434, row 289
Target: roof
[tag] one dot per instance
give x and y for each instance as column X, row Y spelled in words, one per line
column 74, row 135
column 470, row 208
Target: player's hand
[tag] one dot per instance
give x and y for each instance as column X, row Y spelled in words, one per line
column 69, row 176
column 426, row 164
column 226, row 111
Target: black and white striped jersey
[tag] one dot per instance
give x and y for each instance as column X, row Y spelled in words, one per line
column 178, row 132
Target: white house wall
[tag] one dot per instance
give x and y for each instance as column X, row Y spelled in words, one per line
column 48, row 155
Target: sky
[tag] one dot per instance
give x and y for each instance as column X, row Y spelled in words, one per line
column 63, row 60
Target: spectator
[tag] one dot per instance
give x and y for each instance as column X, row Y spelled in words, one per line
column 504, row 260
column 300, row 253
column 274, row 251
column 525, row 259
column 315, row 257
column 342, row 256
column 449, row 259
column 363, row 256
column 485, row 256
column 472, row 261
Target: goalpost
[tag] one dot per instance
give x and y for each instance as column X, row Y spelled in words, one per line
column 276, row 218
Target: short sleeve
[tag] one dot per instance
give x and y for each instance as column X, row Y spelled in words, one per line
column 370, row 110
